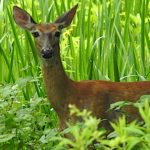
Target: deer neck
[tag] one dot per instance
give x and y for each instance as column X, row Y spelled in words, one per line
column 56, row 82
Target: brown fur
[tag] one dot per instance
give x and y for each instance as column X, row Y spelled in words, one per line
column 94, row 95
column 49, row 27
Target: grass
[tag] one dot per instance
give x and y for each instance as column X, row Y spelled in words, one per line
column 107, row 40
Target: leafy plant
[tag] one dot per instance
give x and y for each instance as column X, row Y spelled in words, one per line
column 24, row 124
column 27, row 125
column 82, row 134
column 125, row 136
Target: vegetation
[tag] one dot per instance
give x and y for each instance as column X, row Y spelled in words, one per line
column 126, row 136
column 108, row 40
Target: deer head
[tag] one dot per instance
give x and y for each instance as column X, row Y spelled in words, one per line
column 46, row 35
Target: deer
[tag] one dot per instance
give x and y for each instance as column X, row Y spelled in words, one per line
column 93, row 95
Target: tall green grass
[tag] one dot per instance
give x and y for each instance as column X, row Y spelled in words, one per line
column 107, row 40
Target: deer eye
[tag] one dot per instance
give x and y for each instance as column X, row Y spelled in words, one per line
column 57, row 34
column 35, row 34
column 60, row 27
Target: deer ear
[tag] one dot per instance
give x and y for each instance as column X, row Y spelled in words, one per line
column 65, row 19
column 22, row 18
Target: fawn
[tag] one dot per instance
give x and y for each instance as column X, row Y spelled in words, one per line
column 93, row 95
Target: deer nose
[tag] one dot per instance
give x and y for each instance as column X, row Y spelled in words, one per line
column 47, row 53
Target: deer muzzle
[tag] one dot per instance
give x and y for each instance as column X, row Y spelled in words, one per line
column 47, row 53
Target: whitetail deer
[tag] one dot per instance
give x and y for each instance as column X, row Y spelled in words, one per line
column 93, row 95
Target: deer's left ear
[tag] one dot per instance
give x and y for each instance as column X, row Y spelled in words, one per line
column 65, row 19
column 22, row 18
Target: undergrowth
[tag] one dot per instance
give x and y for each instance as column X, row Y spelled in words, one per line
column 27, row 125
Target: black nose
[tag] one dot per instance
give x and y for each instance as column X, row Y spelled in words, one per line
column 47, row 53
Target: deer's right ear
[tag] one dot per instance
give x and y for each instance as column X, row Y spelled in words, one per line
column 23, row 19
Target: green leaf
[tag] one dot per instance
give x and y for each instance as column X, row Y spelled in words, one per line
column 6, row 137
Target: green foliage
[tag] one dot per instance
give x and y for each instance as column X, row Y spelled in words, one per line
column 107, row 40
column 24, row 124
column 28, row 125
column 126, row 136
column 83, row 133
